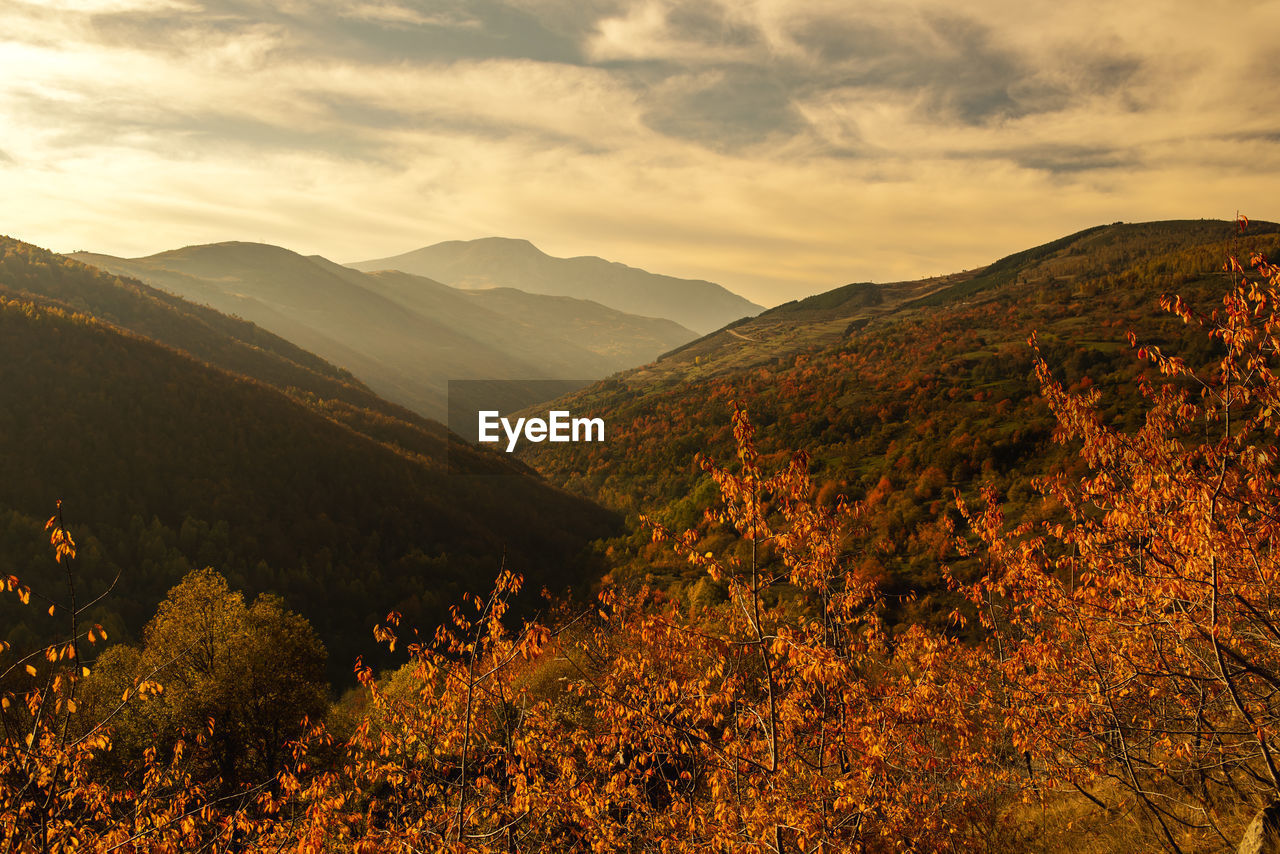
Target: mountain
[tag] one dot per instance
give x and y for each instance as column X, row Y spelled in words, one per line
column 167, row 461
column 903, row 393
column 405, row 336
column 227, row 342
column 503, row 262
column 583, row 331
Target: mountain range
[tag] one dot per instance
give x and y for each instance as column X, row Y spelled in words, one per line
column 403, row 335
column 178, row 438
column 503, row 262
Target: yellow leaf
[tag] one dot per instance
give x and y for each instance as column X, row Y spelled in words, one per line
column 31, row 670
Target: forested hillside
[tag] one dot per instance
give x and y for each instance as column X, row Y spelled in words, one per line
column 167, row 464
column 902, row 393
column 227, row 342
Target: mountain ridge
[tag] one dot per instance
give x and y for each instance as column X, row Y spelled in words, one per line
column 405, row 339
column 167, row 462
column 697, row 304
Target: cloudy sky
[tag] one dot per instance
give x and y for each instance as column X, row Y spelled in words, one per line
column 779, row 147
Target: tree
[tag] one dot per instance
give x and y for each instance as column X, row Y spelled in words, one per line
column 763, row 724
column 252, row 673
column 785, row 721
column 451, row 753
column 53, row 796
column 1138, row 641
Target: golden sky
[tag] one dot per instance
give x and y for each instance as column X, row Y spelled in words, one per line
column 778, row 147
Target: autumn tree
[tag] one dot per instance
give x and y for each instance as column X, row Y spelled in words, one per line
column 788, row 718
column 53, row 796
column 453, row 753
column 1138, row 639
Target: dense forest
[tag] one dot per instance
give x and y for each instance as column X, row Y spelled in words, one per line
column 993, row 571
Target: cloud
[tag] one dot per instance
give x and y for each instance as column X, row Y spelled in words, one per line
column 384, row 32
column 724, row 109
column 678, row 34
column 778, row 146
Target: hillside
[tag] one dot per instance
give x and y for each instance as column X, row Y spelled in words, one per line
column 166, row 463
column 405, row 338
column 502, row 262
column 536, row 327
column 33, row 274
column 228, row 342
column 902, row 393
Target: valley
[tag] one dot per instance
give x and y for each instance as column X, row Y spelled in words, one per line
column 813, row 472
column 403, row 335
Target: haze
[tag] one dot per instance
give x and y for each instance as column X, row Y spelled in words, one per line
column 778, row 148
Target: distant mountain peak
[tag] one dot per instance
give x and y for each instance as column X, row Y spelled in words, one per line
column 516, row 263
column 517, row 243
column 510, row 247
column 239, row 246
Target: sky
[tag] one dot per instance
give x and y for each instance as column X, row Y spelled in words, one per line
column 778, row 147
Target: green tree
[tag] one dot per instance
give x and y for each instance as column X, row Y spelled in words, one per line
column 250, row 673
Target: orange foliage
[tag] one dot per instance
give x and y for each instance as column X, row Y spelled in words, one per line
column 1139, row 642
